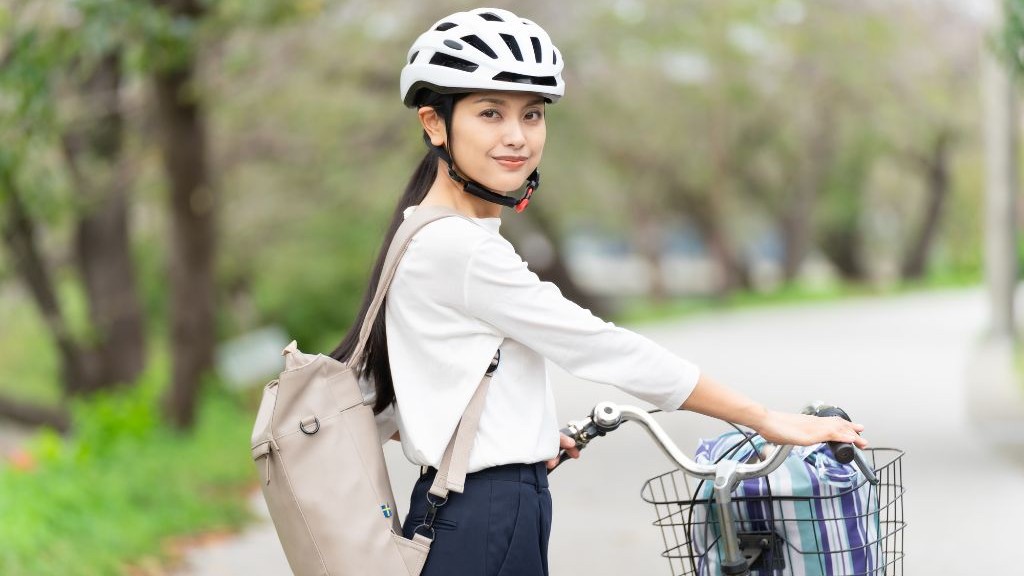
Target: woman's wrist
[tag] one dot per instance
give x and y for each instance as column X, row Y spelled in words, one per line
column 754, row 416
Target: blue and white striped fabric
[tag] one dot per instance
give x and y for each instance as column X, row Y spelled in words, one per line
column 830, row 529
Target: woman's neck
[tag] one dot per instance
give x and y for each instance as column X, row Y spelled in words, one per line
column 446, row 192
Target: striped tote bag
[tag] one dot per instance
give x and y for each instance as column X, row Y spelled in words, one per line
column 823, row 514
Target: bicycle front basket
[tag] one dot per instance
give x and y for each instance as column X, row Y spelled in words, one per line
column 856, row 530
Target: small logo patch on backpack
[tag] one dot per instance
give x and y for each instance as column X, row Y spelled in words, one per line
column 386, row 509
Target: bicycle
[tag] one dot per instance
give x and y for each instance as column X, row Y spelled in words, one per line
column 766, row 532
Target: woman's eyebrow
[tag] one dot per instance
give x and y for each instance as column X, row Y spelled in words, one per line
column 502, row 102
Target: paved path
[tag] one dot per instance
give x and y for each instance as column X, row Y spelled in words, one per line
column 899, row 365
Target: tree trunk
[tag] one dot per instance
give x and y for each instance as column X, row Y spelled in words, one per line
column 103, row 248
column 710, row 214
column 193, row 240
column 1001, row 173
column 648, row 240
column 842, row 246
column 732, row 274
column 19, row 236
column 32, row 415
column 797, row 219
column 936, row 172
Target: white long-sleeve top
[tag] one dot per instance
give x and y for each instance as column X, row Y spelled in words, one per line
column 459, row 293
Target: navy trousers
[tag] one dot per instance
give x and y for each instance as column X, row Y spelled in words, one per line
column 499, row 526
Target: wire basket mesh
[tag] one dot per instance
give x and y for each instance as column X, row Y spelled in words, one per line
column 784, row 534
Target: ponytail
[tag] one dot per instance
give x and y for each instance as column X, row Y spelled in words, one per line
column 374, row 363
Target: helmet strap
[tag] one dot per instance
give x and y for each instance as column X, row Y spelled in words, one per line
column 520, row 204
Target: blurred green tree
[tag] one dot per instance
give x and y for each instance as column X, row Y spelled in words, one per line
column 66, row 69
column 810, row 116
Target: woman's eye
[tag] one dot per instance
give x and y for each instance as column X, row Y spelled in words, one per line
column 534, row 115
column 490, row 113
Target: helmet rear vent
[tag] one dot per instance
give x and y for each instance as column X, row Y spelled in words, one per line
column 513, row 46
column 447, row 61
column 445, row 26
column 413, row 57
column 536, row 48
column 491, row 17
column 475, row 41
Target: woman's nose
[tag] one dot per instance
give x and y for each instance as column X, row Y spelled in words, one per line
column 514, row 135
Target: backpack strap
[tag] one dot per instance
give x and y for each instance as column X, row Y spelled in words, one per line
column 420, row 217
column 451, row 475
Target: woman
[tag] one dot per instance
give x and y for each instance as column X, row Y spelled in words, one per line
column 480, row 81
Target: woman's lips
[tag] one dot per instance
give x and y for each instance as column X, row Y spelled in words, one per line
column 511, row 161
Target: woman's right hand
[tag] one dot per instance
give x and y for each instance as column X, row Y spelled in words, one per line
column 713, row 399
column 804, row 430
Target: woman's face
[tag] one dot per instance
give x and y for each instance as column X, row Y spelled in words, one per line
column 498, row 137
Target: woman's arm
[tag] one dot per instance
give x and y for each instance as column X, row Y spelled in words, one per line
column 713, row 399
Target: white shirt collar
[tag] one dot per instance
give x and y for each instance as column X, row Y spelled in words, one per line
column 490, row 224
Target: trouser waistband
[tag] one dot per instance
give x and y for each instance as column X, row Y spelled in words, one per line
column 533, row 474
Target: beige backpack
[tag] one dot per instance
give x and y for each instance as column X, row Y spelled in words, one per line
column 322, row 468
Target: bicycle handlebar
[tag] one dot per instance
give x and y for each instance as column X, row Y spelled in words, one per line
column 725, row 474
column 608, row 416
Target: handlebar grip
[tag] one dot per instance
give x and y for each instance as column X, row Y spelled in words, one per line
column 843, row 452
column 562, row 457
column 562, row 454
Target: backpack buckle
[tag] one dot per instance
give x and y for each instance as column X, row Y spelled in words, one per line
column 431, row 515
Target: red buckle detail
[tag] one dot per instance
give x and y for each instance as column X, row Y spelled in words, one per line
column 522, row 204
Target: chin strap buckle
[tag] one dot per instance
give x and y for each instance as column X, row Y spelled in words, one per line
column 525, row 200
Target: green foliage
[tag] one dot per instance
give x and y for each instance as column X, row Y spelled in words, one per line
column 236, row 13
column 645, row 311
column 123, row 484
column 316, row 298
column 1009, row 42
column 28, row 362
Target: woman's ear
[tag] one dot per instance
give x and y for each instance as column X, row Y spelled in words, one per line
column 433, row 125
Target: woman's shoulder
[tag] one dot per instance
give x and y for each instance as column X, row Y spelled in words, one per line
column 451, row 248
column 456, row 236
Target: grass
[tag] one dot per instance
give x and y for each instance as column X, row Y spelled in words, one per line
column 123, row 485
column 115, row 492
column 642, row 310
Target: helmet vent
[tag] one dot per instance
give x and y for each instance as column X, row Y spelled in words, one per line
column 513, row 46
column 447, row 61
column 413, row 57
column 475, row 41
column 524, row 79
column 554, row 57
column 445, row 26
column 452, row 44
column 491, row 17
column 536, row 48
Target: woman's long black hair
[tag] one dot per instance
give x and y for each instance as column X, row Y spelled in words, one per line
column 374, row 362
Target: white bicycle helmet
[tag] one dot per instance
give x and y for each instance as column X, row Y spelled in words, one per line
column 483, row 49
